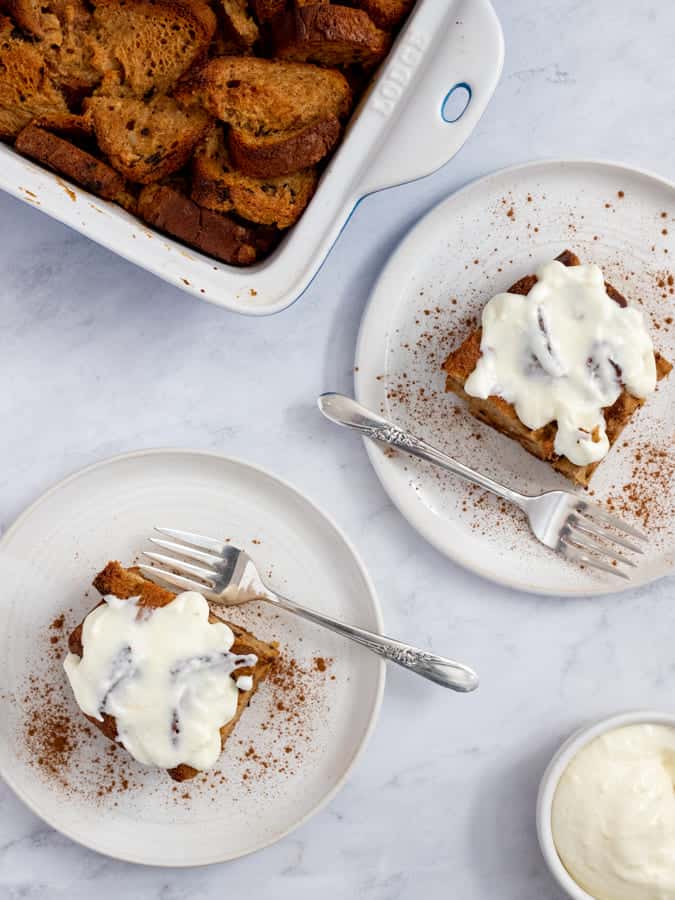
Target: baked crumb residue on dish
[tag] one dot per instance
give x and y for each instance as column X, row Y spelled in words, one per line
column 124, row 99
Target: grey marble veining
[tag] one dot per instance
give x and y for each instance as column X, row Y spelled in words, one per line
column 99, row 357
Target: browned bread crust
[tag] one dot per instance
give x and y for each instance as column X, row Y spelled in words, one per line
column 70, row 56
column 501, row 415
column 386, row 14
column 146, row 141
column 44, row 18
column 26, row 88
column 223, row 43
column 282, row 152
column 145, row 46
column 29, row 17
column 266, row 10
column 217, row 185
column 284, row 117
column 65, row 40
column 78, row 165
column 73, row 127
column 169, row 210
column 264, row 95
column 239, row 24
column 127, row 583
column 329, row 34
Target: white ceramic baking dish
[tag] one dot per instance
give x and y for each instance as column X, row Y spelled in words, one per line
column 424, row 103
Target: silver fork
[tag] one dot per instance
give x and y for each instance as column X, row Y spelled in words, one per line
column 228, row 576
column 577, row 529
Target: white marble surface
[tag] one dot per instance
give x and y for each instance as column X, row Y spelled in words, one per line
column 98, row 357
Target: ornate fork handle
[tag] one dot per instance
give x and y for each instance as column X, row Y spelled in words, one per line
column 445, row 672
column 392, row 434
column 346, row 411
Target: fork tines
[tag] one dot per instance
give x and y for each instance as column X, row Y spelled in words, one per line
column 168, row 567
column 595, row 538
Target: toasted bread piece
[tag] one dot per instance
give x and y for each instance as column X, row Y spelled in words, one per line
column 263, row 96
column 127, row 583
column 283, row 152
column 26, row 89
column 217, row 185
column 329, row 34
column 501, row 415
column 146, row 45
column 71, row 60
column 266, row 10
column 67, row 41
column 44, row 18
column 239, row 24
column 284, row 117
column 222, row 45
column 78, row 165
column 224, row 42
column 167, row 208
column 71, row 66
column 146, row 141
column 78, row 129
column 386, row 14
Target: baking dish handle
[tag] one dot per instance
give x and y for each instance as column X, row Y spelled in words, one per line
column 433, row 90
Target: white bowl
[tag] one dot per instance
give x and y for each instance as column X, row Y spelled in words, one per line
column 553, row 773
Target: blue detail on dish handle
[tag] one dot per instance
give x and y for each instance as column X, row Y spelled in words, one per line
column 456, row 102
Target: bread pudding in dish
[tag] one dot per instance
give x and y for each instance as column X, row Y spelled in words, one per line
column 211, row 120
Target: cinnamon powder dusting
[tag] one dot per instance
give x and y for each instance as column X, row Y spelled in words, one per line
column 289, row 726
column 59, row 742
column 51, row 736
column 648, row 492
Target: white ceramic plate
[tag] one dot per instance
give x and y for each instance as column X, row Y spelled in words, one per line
column 476, row 243
column 300, row 754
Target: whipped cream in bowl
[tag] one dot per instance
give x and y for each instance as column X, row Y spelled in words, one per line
column 606, row 810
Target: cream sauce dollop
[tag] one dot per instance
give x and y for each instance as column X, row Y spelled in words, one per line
column 165, row 674
column 563, row 353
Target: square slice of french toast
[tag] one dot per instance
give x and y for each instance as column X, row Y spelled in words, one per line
column 501, row 415
column 126, row 583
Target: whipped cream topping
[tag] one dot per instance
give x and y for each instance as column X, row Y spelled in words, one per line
column 164, row 673
column 613, row 815
column 563, row 353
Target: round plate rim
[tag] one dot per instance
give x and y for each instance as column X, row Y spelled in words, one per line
column 376, row 608
column 410, row 510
